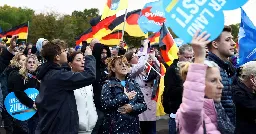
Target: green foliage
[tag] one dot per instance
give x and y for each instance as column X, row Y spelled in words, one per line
column 50, row 25
column 235, row 31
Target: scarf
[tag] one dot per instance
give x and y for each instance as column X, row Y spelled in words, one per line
column 224, row 124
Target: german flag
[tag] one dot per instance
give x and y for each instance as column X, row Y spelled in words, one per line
column 113, row 6
column 100, row 27
column 21, row 31
column 160, row 108
column 154, row 39
column 86, row 36
column 131, row 24
column 112, row 39
column 168, row 47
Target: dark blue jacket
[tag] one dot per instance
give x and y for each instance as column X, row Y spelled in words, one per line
column 56, row 102
column 112, row 98
column 228, row 73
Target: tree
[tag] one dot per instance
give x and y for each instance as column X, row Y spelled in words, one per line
column 13, row 16
column 235, row 31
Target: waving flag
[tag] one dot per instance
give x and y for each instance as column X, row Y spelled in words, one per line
column 86, row 36
column 154, row 39
column 152, row 17
column 131, row 24
column 100, row 27
column 168, row 47
column 160, row 108
column 112, row 39
column 113, row 6
column 21, row 31
column 247, row 40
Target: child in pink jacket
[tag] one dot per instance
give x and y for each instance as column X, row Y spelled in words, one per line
column 201, row 111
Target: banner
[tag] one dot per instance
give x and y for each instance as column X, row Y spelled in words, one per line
column 18, row 110
column 152, row 17
column 185, row 17
column 247, row 40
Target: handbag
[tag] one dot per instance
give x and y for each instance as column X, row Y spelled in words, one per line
column 86, row 108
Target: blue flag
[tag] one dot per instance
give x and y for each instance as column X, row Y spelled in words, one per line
column 247, row 40
column 152, row 17
column 1, row 30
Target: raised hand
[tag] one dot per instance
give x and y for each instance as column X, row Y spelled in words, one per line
column 127, row 108
column 88, row 51
column 131, row 94
column 199, row 43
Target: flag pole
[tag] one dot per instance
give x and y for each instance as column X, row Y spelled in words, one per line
column 122, row 39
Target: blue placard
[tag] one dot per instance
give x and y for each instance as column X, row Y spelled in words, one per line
column 185, row 17
column 18, row 110
column 152, row 17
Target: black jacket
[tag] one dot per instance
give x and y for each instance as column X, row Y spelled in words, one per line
column 18, row 85
column 228, row 74
column 245, row 102
column 101, row 72
column 112, row 98
column 5, row 59
column 56, row 102
column 172, row 95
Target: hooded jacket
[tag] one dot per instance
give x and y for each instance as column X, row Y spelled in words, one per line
column 101, row 72
column 56, row 102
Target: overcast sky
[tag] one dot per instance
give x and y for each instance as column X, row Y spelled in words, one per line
column 68, row 6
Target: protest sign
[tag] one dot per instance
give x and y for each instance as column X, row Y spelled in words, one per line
column 185, row 17
column 152, row 17
column 18, row 110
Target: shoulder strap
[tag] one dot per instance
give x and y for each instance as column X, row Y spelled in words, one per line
column 204, row 127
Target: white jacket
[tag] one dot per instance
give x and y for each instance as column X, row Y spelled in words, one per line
column 86, row 109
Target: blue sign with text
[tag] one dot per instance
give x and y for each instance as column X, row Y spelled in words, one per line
column 18, row 110
column 185, row 17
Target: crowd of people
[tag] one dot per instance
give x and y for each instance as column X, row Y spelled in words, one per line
column 95, row 89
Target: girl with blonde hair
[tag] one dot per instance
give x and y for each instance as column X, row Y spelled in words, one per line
column 18, row 82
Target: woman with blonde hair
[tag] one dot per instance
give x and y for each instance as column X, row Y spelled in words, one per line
column 245, row 99
column 18, row 82
column 201, row 111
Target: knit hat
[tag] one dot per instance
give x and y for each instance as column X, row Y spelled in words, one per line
column 78, row 47
column 39, row 44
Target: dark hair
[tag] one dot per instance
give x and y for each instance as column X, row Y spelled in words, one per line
column 72, row 56
column 129, row 56
column 225, row 29
column 52, row 48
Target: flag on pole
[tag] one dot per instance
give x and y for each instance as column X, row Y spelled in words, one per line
column 167, row 45
column 154, row 39
column 21, row 31
column 100, row 27
column 112, row 39
column 131, row 24
column 86, row 36
column 247, row 40
column 113, row 6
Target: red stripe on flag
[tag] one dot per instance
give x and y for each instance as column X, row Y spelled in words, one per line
column 17, row 31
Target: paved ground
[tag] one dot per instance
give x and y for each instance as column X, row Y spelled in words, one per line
column 162, row 125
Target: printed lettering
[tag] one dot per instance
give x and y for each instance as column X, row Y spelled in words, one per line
column 223, row 2
column 19, row 107
column 208, row 12
column 194, row 8
column 215, row 5
column 200, row 2
column 187, row 17
column 191, row 31
column 11, row 109
column 202, row 19
column 197, row 25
